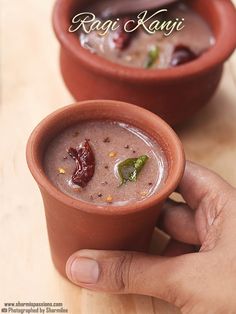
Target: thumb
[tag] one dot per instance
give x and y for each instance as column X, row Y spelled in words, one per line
column 131, row 272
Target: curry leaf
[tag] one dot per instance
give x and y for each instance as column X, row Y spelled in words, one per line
column 153, row 55
column 129, row 169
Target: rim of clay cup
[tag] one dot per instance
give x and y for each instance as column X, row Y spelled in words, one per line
column 223, row 11
column 150, row 122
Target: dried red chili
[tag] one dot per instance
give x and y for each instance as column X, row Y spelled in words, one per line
column 85, row 164
column 122, row 38
column 182, row 54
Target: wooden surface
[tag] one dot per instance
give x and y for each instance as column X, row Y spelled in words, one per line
column 32, row 88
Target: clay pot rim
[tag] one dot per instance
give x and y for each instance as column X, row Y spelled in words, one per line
column 176, row 173
column 224, row 46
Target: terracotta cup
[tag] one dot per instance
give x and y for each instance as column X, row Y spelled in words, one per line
column 74, row 224
column 174, row 94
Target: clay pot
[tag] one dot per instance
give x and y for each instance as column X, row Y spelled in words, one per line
column 74, row 224
column 174, row 94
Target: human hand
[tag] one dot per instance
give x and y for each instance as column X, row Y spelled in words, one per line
column 197, row 282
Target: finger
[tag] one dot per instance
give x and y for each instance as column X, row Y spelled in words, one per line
column 199, row 184
column 209, row 195
column 130, row 272
column 178, row 220
column 175, row 248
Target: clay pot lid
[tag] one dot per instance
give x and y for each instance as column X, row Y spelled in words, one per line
column 224, row 16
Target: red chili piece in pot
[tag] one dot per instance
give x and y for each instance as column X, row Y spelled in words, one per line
column 122, row 39
column 182, row 55
column 85, row 164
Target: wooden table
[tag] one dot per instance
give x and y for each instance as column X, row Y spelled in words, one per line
column 32, row 88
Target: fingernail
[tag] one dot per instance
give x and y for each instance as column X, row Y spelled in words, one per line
column 84, row 270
